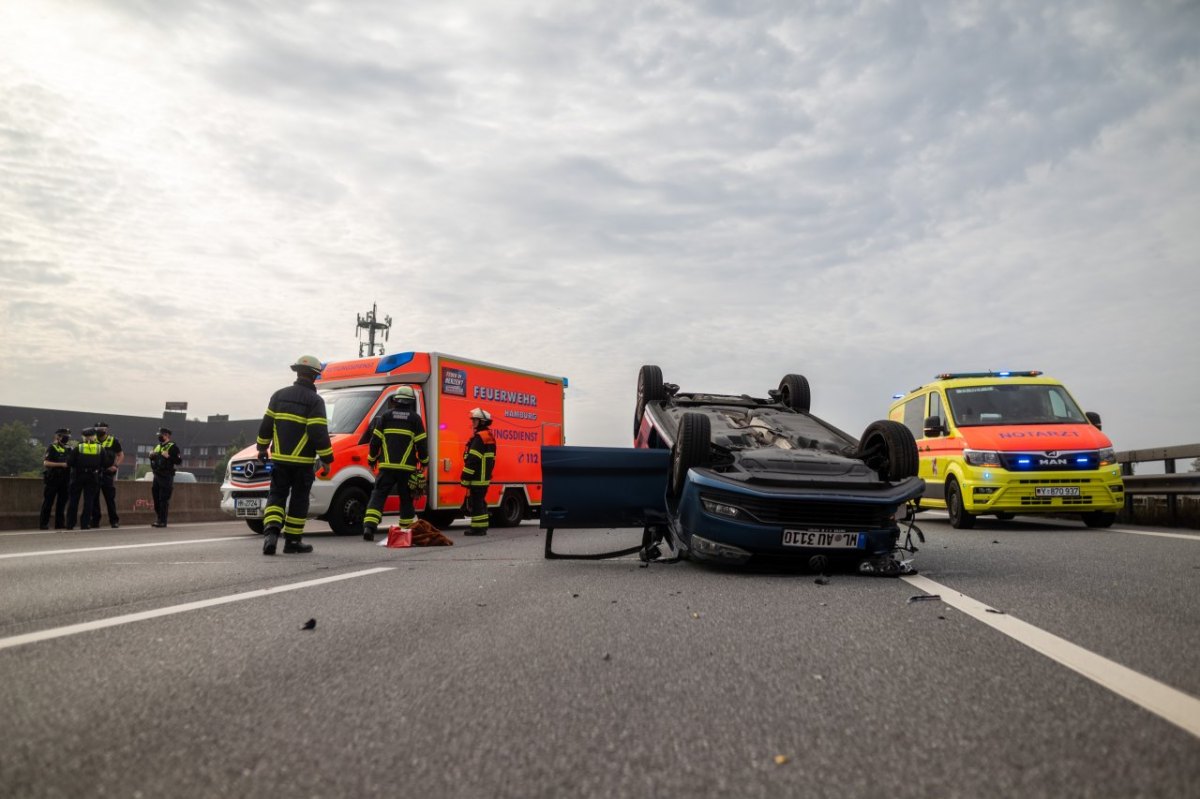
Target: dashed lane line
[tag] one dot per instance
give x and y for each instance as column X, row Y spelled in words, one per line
column 1177, row 707
column 1185, row 536
column 100, row 624
column 119, row 546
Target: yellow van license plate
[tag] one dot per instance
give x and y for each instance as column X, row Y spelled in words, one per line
column 1056, row 491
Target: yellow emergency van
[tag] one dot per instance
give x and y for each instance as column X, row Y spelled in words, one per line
column 1009, row 443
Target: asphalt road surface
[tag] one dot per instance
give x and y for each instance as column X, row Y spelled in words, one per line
column 1059, row 662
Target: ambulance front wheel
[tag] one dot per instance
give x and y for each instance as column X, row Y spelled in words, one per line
column 960, row 519
column 346, row 513
column 256, row 525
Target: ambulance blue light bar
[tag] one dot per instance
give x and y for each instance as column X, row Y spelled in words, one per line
column 956, row 375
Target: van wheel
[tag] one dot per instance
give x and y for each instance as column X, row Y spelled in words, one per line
column 1005, row 516
column 346, row 513
column 1098, row 518
column 795, row 393
column 649, row 389
column 960, row 519
column 256, row 525
column 692, row 449
column 441, row 519
column 889, row 448
column 511, row 510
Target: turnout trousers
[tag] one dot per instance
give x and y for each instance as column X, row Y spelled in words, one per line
column 161, row 490
column 390, row 480
column 287, row 500
column 477, row 509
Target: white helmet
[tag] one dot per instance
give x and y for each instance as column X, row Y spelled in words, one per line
column 480, row 415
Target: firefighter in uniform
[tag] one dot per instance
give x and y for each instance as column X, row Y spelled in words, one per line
column 478, row 461
column 87, row 462
column 108, row 478
column 297, row 431
column 57, row 478
column 163, row 461
column 400, row 450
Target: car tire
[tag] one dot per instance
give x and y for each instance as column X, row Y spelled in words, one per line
column 256, row 525
column 346, row 513
column 794, row 392
column 649, row 389
column 1098, row 518
column 889, row 448
column 511, row 510
column 692, row 449
column 960, row 519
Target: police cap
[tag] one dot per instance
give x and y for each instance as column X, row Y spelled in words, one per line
column 101, row 424
column 166, row 431
column 89, row 431
column 63, row 431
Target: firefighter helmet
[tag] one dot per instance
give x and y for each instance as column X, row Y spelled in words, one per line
column 480, row 415
column 307, row 362
column 404, row 396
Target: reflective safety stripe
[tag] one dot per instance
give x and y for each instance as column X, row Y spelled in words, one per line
column 408, row 522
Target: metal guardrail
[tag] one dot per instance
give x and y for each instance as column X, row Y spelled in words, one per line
column 1170, row 484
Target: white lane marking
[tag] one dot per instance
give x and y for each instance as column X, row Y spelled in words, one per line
column 1177, row 707
column 943, row 515
column 1159, row 535
column 120, row 546
column 100, row 624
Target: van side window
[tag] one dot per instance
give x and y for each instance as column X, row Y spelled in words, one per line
column 935, row 408
column 914, row 416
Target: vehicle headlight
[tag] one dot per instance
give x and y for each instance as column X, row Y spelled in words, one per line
column 981, row 457
column 1107, row 456
column 721, row 509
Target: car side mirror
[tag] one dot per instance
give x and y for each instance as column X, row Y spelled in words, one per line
column 1094, row 418
column 934, row 427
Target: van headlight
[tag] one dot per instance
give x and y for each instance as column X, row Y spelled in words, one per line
column 981, row 457
column 1107, row 457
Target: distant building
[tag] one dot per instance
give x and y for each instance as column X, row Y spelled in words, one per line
column 202, row 444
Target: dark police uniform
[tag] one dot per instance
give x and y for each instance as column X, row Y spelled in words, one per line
column 108, row 482
column 163, row 461
column 400, row 446
column 57, row 480
column 478, row 462
column 297, row 431
column 87, row 461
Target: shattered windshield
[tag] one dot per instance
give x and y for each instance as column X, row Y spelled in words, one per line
column 1013, row 403
column 346, row 407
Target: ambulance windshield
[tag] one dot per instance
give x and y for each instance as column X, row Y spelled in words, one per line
column 1013, row 403
column 346, row 407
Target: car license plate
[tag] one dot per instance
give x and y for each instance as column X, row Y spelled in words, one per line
column 251, row 507
column 1056, row 491
column 822, row 540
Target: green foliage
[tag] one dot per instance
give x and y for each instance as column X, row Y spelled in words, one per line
column 236, row 446
column 18, row 452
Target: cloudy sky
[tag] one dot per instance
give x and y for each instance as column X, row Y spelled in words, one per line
column 194, row 193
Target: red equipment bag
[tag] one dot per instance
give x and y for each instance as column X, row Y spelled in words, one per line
column 399, row 537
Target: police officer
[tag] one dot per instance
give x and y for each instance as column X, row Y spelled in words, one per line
column 400, row 450
column 57, row 478
column 297, row 431
column 163, row 461
column 87, row 462
column 478, row 461
column 108, row 477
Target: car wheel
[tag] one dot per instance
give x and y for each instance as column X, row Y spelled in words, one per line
column 511, row 510
column 346, row 513
column 692, row 449
column 649, row 389
column 889, row 448
column 960, row 519
column 1098, row 518
column 256, row 525
column 441, row 519
column 795, row 393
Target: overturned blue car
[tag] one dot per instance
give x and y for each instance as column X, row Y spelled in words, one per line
column 736, row 478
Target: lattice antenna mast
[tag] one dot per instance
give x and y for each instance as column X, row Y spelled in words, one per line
column 370, row 324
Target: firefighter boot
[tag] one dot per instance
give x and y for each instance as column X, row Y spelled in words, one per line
column 368, row 532
column 270, row 540
column 292, row 545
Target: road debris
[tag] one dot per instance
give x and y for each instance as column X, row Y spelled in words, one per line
column 782, row 760
column 924, row 598
column 311, row 624
column 822, row 580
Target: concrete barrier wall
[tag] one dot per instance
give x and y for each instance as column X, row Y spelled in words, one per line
column 21, row 499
